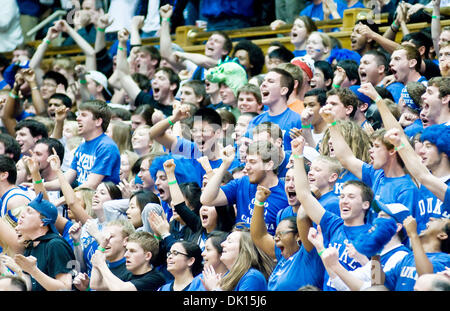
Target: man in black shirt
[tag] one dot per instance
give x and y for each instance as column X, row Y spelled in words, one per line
column 142, row 248
column 48, row 259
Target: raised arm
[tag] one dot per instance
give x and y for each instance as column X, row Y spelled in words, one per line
column 423, row 263
column 312, row 207
column 69, row 195
column 341, row 149
column 88, row 50
column 258, row 229
column 414, row 164
column 212, row 195
column 159, row 132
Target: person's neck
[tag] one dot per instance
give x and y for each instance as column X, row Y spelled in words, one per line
column 442, row 169
column 430, row 244
column 147, row 267
column 4, row 187
column 392, row 168
column 326, row 189
column 182, row 280
column 167, row 100
column 270, row 180
column 37, row 234
column 48, row 174
column 92, row 135
column 220, row 268
column 444, row 116
column 320, row 127
column 300, row 45
column 116, row 257
column 413, row 76
column 215, row 98
column 278, row 107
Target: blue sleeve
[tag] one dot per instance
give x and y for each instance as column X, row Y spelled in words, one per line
column 368, row 174
column 253, row 280
column 447, row 199
column 230, row 190
column 329, row 223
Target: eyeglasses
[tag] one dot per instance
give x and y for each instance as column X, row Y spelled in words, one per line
column 281, row 233
column 175, row 253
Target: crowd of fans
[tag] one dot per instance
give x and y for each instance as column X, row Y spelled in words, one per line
column 149, row 168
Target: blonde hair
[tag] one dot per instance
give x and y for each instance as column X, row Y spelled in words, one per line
column 250, row 256
column 87, row 194
column 121, row 134
column 355, row 137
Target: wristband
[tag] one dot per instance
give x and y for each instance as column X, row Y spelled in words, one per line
column 336, row 86
column 101, row 29
column 259, row 203
column 38, row 181
column 306, row 126
column 170, row 122
column 332, row 123
column 173, row 182
column 399, row 147
column 101, row 249
column 297, row 156
column 321, row 252
column 11, row 94
column 76, row 243
column 83, row 81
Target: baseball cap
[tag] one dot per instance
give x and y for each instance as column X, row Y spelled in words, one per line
column 100, row 78
column 46, row 209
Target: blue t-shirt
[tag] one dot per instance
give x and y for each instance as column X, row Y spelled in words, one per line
column 345, row 176
column 390, row 189
column 242, row 193
column 100, row 156
column 253, row 280
column 430, row 206
column 336, row 234
column 286, row 120
column 403, row 276
column 285, row 213
column 330, row 202
column 302, row 268
column 414, row 128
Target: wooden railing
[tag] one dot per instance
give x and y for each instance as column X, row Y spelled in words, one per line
column 192, row 38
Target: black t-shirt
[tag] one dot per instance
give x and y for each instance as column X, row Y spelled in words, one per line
column 144, row 98
column 149, row 281
column 54, row 256
column 119, row 269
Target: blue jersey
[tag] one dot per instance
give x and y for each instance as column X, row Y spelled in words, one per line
column 345, row 176
column 285, row 213
column 99, row 156
column 330, row 202
column 302, row 268
column 242, row 193
column 336, row 234
column 253, row 280
column 430, row 206
column 286, row 120
column 390, row 189
column 403, row 276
